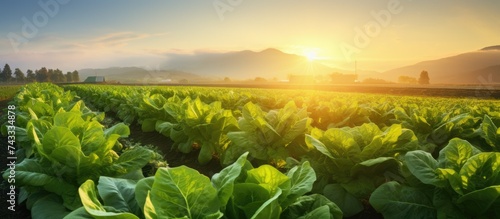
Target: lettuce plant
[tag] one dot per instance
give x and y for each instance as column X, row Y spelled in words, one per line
column 434, row 126
column 462, row 183
column 271, row 136
column 198, row 125
column 331, row 114
column 36, row 106
column 355, row 161
column 43, row 98
column 490, row 133
column 37, row 126
column 155, row 108
column 264, row 192
column 71, row 150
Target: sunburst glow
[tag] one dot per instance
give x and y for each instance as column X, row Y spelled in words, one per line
column 311, row 55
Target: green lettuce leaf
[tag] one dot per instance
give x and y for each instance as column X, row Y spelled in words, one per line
column 142, row 189
column 301, row 182
column 94, row 207
column 456, row 153
column 481, row 201
column 269, row 178
column 225, row 179
column 313, row 206
column 50, row 206
column 422, row 165
column 490, row 133
column 398, row 201
column 181, row 191
column 119, row 194
column 349, row 204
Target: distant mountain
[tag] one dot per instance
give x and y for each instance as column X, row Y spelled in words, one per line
column 209, row 67
column 477, row 67
column 486, row 75
column 140, row 75
column 491, row 48
column 269, row 63
column 466, row 68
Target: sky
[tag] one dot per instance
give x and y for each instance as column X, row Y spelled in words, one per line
column 378, row 35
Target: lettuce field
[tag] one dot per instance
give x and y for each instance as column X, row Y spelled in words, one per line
column 8, row 91
column 281, row 153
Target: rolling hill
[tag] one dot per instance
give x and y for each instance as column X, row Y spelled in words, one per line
column 269, row 63
column 466, row 68
column 210, row 67
column 140, row 75
column 476, row 67
column 486, row 75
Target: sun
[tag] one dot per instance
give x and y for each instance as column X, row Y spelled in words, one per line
column 311, row 55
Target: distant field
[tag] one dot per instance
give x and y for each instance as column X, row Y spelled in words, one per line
column 7, row 92
column 479, row 91
column 486, row 91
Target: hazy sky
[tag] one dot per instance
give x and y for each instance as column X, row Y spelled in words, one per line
column 380, row 35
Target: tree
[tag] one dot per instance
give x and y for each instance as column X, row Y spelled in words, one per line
column 42, row 75
column 57, row 76
column 52, row 75
column 19, row 75
column 407, row 80
column 424, row 78
column 6, row 73
column 227, row 79
column 30, row 76
column 75, row 77
column 69, row 77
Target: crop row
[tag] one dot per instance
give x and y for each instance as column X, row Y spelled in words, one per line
column 405, row 155
column 275, row 119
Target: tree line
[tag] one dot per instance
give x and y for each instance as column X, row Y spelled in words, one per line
column 423, row 79
column 39, row 75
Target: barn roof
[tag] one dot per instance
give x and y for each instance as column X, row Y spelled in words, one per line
column 95, row 79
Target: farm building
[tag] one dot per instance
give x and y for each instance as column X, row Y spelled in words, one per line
column 95, row 79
